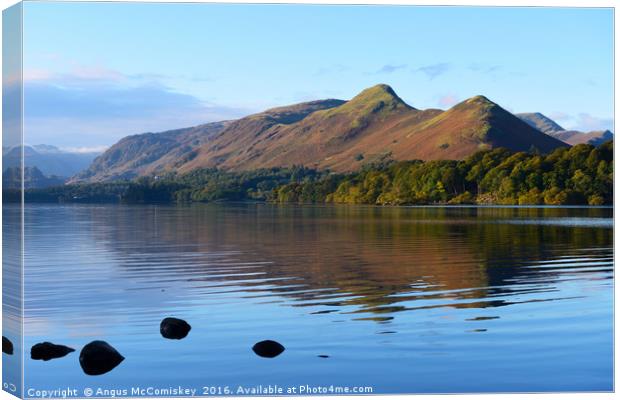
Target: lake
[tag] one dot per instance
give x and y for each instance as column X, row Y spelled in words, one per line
column 397, row 299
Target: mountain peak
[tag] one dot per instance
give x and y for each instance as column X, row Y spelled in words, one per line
column 478, row 105
column 379, row 92
column 376, row 98
column 380, row 88
column 480, row 100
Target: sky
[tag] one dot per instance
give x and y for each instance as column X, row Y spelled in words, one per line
column 96, row 72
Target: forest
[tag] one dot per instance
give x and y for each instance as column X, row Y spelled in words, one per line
column 579, row 175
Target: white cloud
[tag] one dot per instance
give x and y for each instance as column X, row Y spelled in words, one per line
column 91, row 106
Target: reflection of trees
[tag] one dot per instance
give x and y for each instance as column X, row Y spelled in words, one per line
column 381, row 260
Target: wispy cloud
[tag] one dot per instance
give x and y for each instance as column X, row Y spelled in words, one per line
column 76, row 74
column 484, row 68
column 389, row 68
column 88, row 73
column 559, row 116
column 588, row 122
column 591, row 82
column 434, row 70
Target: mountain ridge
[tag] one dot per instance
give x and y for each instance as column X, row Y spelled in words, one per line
column 541, row 122
column 342, row 136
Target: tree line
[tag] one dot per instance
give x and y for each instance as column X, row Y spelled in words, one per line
column 579, row 175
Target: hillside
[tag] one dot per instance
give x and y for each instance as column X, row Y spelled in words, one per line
column 153, row 153
column 148, row 153
column 331, row 134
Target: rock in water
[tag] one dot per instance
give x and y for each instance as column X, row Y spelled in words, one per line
column 174, row 328
column 268, row 348
column 7, row 346
column 98, row 357
column 46, row 351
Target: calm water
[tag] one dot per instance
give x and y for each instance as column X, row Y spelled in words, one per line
column 404, row 300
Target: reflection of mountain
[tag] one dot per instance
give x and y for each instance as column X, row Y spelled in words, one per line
column 377, row 260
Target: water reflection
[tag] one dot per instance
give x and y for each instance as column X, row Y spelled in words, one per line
column 375, row 259
column 379, row 280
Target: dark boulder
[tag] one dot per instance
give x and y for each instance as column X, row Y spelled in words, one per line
column 46, row 351
column 7, row 346
column 268, row 349
column 174, row 328
column 99, row 357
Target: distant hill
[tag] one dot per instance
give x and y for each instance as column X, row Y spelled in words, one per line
column 550, row 127
column 376, row 125
column 49, row 160
column 541, row 122
column 595, row 138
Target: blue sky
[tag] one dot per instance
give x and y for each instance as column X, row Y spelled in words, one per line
column 95, row 72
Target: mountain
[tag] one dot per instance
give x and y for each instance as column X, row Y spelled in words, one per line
column 149, row 153
column 330, row 134
column 153, row 153
column 49, row 160
column 551, row 128
column 541, row 122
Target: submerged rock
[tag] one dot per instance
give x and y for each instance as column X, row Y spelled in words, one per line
column 174, row 328
column 99, row 357
column 7, row 346
column 46, row 351
column 268, row 349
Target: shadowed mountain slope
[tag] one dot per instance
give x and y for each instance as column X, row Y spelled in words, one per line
column 541, row 122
